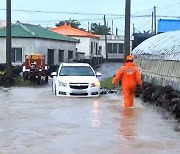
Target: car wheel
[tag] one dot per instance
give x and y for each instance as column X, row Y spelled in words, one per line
column 55, row 90
column 99, row 95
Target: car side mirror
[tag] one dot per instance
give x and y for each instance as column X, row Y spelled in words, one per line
column 54, row 74
column 98, row 74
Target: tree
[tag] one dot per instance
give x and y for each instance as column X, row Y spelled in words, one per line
column 100, row 29
column 74, row 23
column 145, row 32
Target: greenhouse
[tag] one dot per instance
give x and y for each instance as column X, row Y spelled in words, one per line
column 162, row 46
column 158, row 58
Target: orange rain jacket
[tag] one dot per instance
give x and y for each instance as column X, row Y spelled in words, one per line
column 131, row 77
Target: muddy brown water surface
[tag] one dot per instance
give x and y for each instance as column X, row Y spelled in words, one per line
column 33, row 121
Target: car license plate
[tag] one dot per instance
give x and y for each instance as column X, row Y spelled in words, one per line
column 78, row 91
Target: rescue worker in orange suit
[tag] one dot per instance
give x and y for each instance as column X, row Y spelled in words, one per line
column 130, row 77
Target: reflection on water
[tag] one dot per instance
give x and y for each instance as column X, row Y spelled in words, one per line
column 96, row 114
column 127, row 123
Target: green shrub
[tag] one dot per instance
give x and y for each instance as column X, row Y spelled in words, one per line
column 21, row 82
column 107, row 83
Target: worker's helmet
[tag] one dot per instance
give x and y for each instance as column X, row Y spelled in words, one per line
column 130, row 58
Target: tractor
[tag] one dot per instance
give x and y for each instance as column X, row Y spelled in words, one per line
column 35, row 68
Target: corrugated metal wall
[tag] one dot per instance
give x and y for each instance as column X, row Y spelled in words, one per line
column 160, row 72
column 166, row 25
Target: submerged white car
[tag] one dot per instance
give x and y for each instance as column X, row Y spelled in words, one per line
column 76, row 79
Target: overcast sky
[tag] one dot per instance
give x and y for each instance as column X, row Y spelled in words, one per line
column 88, row 10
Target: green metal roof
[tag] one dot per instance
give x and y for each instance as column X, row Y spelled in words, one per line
column 35, row 31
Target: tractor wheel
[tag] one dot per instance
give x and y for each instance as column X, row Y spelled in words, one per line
column 39, row 80
column 46, row 78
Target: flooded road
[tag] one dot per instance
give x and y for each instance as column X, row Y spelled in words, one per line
column 108, row 69
column 33, row 121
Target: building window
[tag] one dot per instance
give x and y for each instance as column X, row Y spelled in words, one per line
column 109, row 47
column 70, row 55
column 16, row 54
column 121, row 48
column 61, row 55
column 91, row 48
column 115, row 48
column 100, row 49
column 96, row 48
column 50, row 56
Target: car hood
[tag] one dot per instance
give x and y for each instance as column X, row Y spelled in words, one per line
column 77, row 79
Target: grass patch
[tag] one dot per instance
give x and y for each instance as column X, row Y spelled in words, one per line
column 21, row 82
column 107, row 83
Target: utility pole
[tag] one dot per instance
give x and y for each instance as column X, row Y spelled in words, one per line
column 155, row 19
column 152, row 29
column 105, row 35
column 112, row 27
column 116, row 31
column 133, row 29
column 127, row 28
column 8, row 68
column 88, row 26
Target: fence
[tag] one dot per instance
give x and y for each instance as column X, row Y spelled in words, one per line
column 160, row 72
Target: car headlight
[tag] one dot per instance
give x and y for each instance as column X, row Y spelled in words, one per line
column 95, row 84
column 62, row 84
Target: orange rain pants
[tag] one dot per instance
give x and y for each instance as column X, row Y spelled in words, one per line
column 130, row 76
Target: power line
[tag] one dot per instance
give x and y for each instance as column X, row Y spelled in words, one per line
column 57, row 12
column 98, row 19
column 77, row 13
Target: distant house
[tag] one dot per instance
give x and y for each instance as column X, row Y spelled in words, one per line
column 115, row 47
column 34, row 39
column 167, row 25
column 89, row 43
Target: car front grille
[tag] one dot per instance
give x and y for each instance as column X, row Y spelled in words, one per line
column 78, row 85
column 75, row 94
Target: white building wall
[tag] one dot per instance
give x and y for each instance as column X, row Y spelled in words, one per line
column 43, row 45
column 2, row 23
column 30, row 46
column 113, row 39
column 27, row 46
column 103, row 50
column 94, row 40
column 2, row 50
column 85, row 46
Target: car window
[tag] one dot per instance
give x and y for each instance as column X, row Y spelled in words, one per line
column 76, row 71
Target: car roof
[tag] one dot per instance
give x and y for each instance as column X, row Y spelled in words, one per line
column 75, row 64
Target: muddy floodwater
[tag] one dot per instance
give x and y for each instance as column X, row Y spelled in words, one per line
column 33, row 121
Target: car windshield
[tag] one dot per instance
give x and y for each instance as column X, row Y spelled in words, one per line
column 76, row 71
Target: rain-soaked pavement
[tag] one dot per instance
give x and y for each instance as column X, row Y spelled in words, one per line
column 33, row 121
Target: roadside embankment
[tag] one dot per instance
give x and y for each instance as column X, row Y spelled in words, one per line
column 161, row 83
column 165, row 97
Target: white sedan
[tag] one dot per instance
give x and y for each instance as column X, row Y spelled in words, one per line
column 76, row 79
